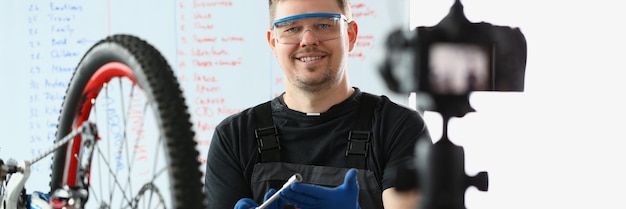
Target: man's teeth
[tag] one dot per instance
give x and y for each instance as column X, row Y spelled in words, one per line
column 309, row 59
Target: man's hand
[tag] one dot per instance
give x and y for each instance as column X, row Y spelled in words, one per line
column 247, row 203
column 307, row 196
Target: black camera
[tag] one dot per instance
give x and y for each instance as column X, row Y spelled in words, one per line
column 455, row 57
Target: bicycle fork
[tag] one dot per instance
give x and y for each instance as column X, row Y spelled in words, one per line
column 74, row 198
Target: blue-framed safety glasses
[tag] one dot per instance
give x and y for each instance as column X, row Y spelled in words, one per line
column 325, row 26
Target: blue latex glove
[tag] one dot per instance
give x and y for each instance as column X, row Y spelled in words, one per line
column 307, row 196
column 247, row 203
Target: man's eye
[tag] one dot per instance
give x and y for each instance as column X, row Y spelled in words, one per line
column 324, row 26
column 291, row 30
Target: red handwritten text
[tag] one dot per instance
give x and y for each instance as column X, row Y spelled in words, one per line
column 200, row 16
column 200, row 4
column 204, row 78
column 209, row 100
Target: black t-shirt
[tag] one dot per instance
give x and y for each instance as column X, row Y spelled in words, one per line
column 310, row 140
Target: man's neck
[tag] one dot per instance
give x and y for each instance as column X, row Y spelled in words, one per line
column 316, row 102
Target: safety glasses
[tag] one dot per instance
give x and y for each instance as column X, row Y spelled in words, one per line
column 324, row 26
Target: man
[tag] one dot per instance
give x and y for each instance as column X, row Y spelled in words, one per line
column 320, row 127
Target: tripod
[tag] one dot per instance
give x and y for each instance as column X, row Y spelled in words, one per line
column 440, row 167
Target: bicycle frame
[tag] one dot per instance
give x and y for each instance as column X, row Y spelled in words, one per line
column 14, row 185
column 14, row 177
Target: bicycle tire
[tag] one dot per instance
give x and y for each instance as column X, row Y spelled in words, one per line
column 129, row 58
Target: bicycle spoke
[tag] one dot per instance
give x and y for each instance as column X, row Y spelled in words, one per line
column 114, row 179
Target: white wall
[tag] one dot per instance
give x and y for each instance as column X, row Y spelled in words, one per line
column 559, row 144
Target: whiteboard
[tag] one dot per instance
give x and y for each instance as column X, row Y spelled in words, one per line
column 217, row 49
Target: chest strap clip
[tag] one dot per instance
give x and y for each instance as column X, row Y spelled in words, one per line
column 268, row 144
column 358, row 143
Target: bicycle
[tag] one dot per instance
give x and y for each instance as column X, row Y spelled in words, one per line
column 122, row 94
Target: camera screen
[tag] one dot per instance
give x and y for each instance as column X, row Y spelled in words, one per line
column 459, row 68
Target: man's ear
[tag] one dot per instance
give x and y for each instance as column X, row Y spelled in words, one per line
column 271, row 41
column 353, row 32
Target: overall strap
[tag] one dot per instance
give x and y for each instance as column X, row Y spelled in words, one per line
column 266, row 133
column 359, row 139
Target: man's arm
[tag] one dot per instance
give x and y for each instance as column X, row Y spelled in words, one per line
column 407, row 131
column 400, row 200
column 224, row 178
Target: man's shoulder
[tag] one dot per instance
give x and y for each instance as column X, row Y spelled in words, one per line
column 387, row 104
column 241, row 118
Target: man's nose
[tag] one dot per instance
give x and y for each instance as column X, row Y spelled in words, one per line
column 309, row 38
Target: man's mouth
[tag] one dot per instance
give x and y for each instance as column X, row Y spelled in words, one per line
column 309, row 59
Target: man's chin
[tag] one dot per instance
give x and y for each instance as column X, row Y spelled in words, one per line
column 313, row 86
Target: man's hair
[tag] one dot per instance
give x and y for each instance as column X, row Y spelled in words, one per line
column 343, row 4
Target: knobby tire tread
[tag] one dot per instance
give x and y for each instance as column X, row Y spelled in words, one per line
column 156, row 78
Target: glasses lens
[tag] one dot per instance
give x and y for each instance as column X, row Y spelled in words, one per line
column 324, row 27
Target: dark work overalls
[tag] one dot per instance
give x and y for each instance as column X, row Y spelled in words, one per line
column 272, row 173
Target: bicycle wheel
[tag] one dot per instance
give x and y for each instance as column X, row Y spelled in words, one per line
column 145, row 154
